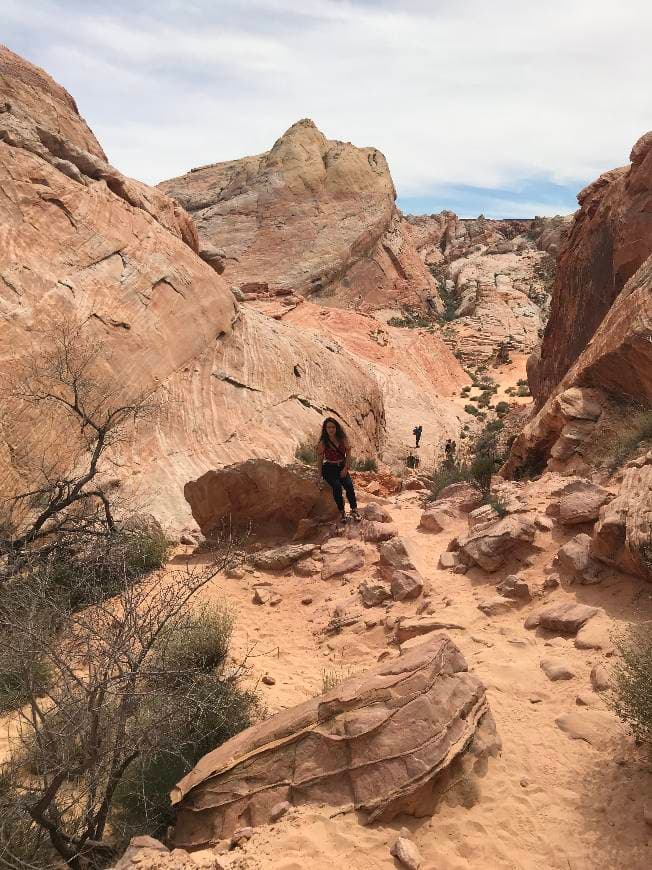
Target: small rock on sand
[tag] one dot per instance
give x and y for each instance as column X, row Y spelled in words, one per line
column 406, row 853
column 556, row 669
column 599, row 678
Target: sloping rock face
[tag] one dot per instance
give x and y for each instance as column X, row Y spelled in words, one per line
column 312, row 215
column 415, row 370
column 81, row 242
column 610, row 238
column 385, row 742
column 617, row 360
column 623, row 535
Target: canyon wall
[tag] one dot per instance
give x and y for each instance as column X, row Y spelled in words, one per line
column 609, row 239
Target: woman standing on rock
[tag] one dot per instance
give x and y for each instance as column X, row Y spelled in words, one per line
column 333, row 459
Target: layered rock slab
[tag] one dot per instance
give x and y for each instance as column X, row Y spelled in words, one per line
column 622, row 536
column 618, row 360
column 385, row 742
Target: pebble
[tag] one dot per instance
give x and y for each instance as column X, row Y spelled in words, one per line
column 269, row 680
column 307, row 599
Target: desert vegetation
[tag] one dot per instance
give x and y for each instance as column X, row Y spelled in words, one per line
column 631, row 697
column 116, row 684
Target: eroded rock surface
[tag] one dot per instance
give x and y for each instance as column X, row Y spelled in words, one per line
column 384, row 742
column 609, row 239
column 257, row 491
column 623, row 534
column 311, row 215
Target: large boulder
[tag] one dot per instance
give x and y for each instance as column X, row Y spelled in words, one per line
column 581, row 502
column 258, row 492
column 567, row 617
column 490, row 546
column 311, row 215
column 623, row 535
column 385, row 742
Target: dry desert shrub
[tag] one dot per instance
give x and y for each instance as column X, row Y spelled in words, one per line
column 631, row 696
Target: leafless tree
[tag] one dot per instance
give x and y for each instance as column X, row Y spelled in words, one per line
column 81, row 418
column 115, row 685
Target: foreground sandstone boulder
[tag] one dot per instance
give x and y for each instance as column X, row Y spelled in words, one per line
column 623, row 535
column 566, row 617
column 581, row 502
column 386, row 742
column 258, row 492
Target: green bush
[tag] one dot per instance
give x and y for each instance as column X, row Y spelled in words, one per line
column 630, row 430
column 523, row 391
column 216, row 709
column 448, row 473
column 502, row 408
column 522, row 382
column 497, row 503
column 631, row 697
column 364, row 465
column 306, row 453
column 471, row 409
column 84, row 572
column 15, row 682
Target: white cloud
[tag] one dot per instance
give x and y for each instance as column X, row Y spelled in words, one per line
column 472, row 92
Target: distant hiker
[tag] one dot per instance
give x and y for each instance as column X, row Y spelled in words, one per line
column 412, row 461
column 417, row 434
column 333, row 463
column 449, row 450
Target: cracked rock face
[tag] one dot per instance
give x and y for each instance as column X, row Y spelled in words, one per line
column 609, row 239
column 387, row 742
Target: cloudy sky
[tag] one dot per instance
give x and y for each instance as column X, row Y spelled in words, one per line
column 501, row 107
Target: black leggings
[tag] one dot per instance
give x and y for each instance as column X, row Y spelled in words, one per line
column 330, row 471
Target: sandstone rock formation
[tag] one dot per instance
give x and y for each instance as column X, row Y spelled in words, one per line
column 84, row 243
column 489, row 545
column 496, row 274
column 610, row 238
column 350, row 746
column 259, row 492
column 617, row 360
column 311, row 215
column 623, row 535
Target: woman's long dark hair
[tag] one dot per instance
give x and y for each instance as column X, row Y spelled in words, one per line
column 340, row 434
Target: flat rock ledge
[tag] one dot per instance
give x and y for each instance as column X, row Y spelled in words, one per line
column 386, row 742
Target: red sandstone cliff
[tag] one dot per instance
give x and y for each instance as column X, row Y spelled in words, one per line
column 609, row 239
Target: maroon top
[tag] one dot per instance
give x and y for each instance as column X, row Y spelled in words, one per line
column 333, row 453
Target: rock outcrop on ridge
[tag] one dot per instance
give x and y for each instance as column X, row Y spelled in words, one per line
column 311, row 215
column 610, row 238
column 386, row 742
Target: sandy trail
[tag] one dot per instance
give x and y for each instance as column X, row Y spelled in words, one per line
column 547, row 802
